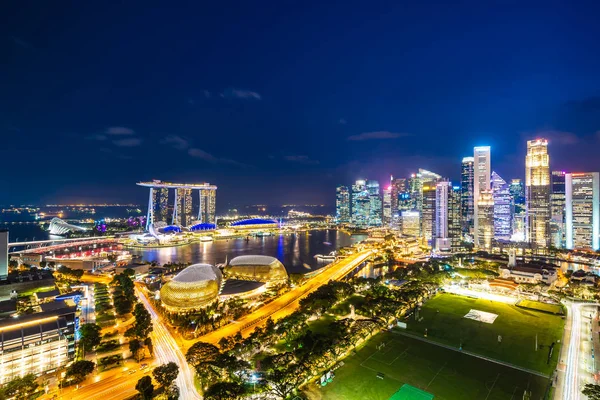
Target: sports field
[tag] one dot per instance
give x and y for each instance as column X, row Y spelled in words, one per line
column 443, row 317
column 447, row 374
column 538, row 306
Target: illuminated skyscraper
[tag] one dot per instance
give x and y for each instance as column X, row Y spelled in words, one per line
column 537, row 193
column 398, row 188
column 517, row 191
column 481, row 182
column 455, row 217
column 485, row 220
column 557, row 209
column 387, row 205
column 207, row 210
column 467, row 176
column 360, row 204
column 375, row 203
column 163, row 205
column 582, row 204
column 410, row 223
column 342, row 205
column 503, row 208
column 429, row 211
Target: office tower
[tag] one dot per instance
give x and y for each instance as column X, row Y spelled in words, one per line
column 342, row 204
column 517, row 191
column 467, row 175
column 3, row 254
column 503, row 208
column 557, row 209
column 207, row 210
column 485, row 220
column 428, row 216
column 387, row 205
column 582, row 206
column 361, row 204
column 375, row 203
column 481, row 182
column 398, row 188
column 537, row 193
column 410, row 223
column 455, row 217
column 163, row 205
column 414, row 192
column 185, row 206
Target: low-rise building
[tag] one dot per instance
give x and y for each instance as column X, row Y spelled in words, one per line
column 529, row 273
column 37, row 343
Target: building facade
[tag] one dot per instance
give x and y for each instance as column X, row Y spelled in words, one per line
column 410, row 223
column 582, row 204
column 387, row 206
column 342, row 204
column 467, row 174
column 537, row 193
column 557, row 209
column 503, row 208
column 517, row 191
column 481, row 182
column 428, row 217
column 361, row 205
column 485, row 220
column 3, row 254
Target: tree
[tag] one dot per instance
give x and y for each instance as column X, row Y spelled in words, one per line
column 145, row 387
column 134, row 347
column 79, row 370
column 20, row 388
column 283, row 381
column 166, row 374
column 143, row 323
column 129, row 272
column 202, row 352
column 90, row 336
column 148, row 344
column 224, row 391
column 591, row 391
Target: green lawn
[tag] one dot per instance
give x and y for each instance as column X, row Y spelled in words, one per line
column 539, row 306
column 443, row 316
column 447, row 374
column 343, row 308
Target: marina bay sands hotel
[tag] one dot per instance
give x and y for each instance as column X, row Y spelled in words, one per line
column 181, row 211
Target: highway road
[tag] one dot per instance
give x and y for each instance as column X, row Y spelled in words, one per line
column 289, row 302
column 167, row 350
column 577, row 364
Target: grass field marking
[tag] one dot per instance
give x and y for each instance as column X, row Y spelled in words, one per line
column 398, row 356
column 512, row 396
column 492, row 388
column 385, row 377
column 435, row 376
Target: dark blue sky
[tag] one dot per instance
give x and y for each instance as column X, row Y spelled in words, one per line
column 279, row 102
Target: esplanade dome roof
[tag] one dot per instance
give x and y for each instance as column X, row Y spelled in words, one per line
column 257, row 268
column 193, row 288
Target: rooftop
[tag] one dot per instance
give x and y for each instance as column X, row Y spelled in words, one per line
column 252, row 260
column 198, row 272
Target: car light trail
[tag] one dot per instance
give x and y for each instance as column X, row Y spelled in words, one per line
column 167, row 350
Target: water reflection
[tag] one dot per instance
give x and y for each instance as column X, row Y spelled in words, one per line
column 293, row 250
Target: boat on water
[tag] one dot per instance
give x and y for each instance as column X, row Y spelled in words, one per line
column 206, row 238
column 331, row 257
column 262, row 234
column 327, row 243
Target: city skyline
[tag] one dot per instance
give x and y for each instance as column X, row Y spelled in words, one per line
column 231, row 105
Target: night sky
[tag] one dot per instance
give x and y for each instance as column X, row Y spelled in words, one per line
column 280, row 102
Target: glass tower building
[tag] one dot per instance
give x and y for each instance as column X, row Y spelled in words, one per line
column 503, row 208
column 537, row 193
column 481, row 182
column 342, row 204
column 582, row 205
column 557, row 209
column 467, row 174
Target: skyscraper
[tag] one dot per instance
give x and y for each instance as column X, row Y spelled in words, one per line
column 481, row 182
column 207, row 210
column 163, row 205
column 537, row 193
column 582, row 204
column 398, row 188
column 342, row 205
column 375, row 204
column 447, row 216
column 517, row 191
column 429, row 211
column 485, row 220
column 467, row 175
column 387, row 205
column 503, row 208
column 360, row 203
column 557, row 209
column 455, row 217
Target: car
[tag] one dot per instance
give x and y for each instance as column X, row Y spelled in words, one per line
column 144, row 366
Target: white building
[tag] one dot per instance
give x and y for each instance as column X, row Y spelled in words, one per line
column 582, row 210
column 481, row 182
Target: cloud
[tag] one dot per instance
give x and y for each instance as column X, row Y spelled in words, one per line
column 128, row 142
column 241, row 94
column 342, row 121
column 207, row 94
column 554, row 136
column 301, row 160
column 198, row 153
column 376, row 136
column 177, row 142
column 20, row 42
column 119, row 130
